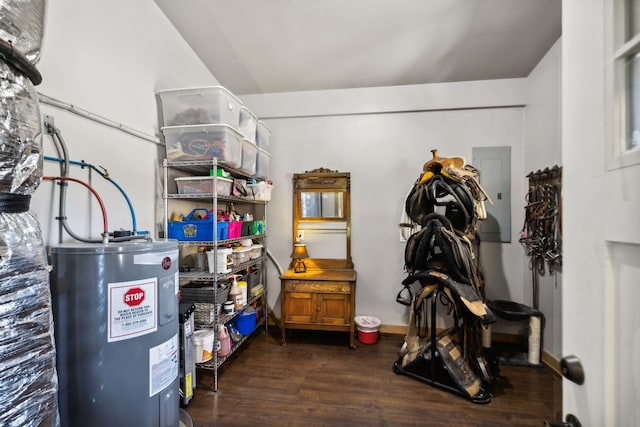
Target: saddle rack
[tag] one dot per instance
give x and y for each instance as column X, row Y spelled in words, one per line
column 429, row 366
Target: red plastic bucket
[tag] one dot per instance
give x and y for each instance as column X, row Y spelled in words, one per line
column 367, row 337
column 367, row 328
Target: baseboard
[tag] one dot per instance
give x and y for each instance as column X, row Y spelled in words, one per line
column 393, row 329
column 500, row 337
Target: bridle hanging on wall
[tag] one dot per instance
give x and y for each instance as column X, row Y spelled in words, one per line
column 541, row 233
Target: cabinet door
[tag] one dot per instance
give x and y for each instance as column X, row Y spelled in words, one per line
column 334, row 309
column 299, row 307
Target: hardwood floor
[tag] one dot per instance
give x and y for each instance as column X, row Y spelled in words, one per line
column 316, row 380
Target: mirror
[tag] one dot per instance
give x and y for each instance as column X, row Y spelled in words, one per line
column 321, row 204
column 321, row 214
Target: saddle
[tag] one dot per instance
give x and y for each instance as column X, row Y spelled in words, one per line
column 451, row 176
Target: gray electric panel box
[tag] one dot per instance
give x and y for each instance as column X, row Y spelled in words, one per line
column 494, row 164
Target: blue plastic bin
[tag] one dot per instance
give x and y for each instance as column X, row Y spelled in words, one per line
column 245, row 321
column 192, row 229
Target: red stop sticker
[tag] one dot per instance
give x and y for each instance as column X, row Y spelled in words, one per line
column 133, row 297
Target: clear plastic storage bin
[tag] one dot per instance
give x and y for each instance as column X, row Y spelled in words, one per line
column 241, row 254
column 203, row 185
column 263, row 164
column 249, row 156
column 263, row 136
column 204, row 142
column 199, row 105
column 248, row 124
column 256, row 251
column 261, row 191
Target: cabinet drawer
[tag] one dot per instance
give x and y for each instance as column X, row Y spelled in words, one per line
column 317, row 286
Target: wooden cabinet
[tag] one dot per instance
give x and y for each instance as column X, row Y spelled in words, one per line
column 322, row 294
column 318, row 300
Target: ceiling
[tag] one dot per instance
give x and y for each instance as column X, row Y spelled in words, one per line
column 258, row 46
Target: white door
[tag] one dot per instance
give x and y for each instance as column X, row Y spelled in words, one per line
column 601, row 217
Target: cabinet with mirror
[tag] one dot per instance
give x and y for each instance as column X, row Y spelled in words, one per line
column 318, row 290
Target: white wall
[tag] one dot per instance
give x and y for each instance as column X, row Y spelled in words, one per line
column 109, row 58
column 543, row 148
column 382, row 136
column 601, row 322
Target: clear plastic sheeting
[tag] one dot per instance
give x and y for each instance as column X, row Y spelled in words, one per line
column 22, row 24
column 28, row 379
column 20, row 133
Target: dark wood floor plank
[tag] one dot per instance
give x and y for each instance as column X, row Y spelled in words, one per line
column 316, row 380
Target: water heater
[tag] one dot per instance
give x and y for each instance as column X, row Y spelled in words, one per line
column 115, row 311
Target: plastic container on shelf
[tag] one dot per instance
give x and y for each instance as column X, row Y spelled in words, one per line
column 204, row 142
column 229, row 307
column 203, row 343
column 241, row 254
column 256, row 251
column 235, row 229
column 261, row 191
column 245, row 321
column 204, row 185
column 263, row 164
column 225, row 341
column 253, row 278
column 242, row 284
column 223, row 230
column 263, row 136
column 257, row 290
column 235, row 294
column 235, row 335
column 249, row 156
column 199, row 105
column 248, row 124
column 196, row 226
column 223, row 259
column 259, row 226
column 247, row 228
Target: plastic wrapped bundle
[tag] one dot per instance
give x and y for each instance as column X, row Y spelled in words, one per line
column 28, row 379
column 22, row 24
column 20, row 133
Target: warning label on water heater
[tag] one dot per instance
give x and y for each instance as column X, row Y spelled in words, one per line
column 163, row 365
column 132, row 309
